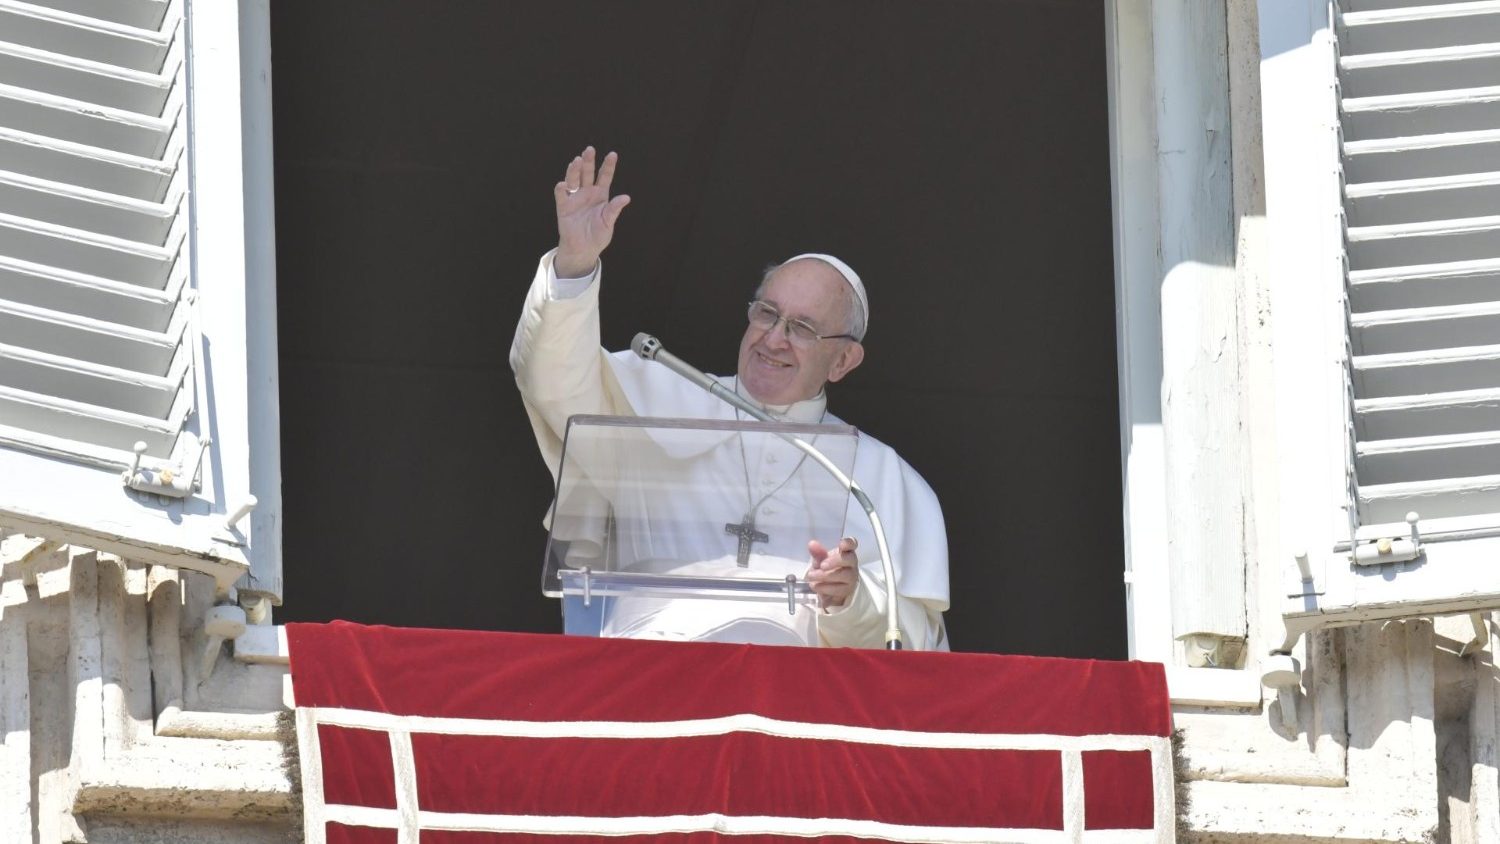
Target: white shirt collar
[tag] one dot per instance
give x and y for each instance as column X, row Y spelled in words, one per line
column 807, row 412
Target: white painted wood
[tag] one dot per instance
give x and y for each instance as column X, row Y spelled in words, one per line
column 1138, row 327
column 71, row 34
column 1413, row 71
column 1416, row 156
column 1459, row 412
column 1437, row 112
column 1427, row 370
column 1416, row 105
column 1423, row 200
column 142, row 14
column 86, row 123
column 1421, row 26
column 128, row 178
column 92, row 340
column 80, row 251
column 134, row 176
column 263, row 371
column 87, row 80
column 1201, row 341
column 1466, row 239
column 88, row 210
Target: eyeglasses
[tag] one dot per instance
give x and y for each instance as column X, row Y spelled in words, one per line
column 801, row 334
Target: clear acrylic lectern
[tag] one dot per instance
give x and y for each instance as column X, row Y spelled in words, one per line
column 693, row 529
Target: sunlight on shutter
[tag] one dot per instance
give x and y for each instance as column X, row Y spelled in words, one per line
column 1420, row 88
column 95, row 328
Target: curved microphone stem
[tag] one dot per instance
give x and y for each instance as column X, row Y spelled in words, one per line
column 650, row 348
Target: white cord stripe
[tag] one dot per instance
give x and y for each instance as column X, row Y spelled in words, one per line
column 1072, row 795
column 310, row 757
column 727, row 825
column 403, row 762
column 739, row 723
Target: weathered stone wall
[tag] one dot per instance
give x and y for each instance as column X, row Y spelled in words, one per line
column 111, row 733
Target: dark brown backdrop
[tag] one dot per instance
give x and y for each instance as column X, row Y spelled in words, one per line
column 954, row 152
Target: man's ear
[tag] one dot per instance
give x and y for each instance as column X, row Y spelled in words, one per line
column 852, row 355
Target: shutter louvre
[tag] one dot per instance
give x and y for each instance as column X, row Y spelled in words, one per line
column 1420, row 122
column 94, row 331
column 105, row 340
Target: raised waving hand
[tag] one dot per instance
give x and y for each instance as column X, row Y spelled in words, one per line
column 586, row 214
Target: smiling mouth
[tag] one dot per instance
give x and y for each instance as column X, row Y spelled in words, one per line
column 770, row 362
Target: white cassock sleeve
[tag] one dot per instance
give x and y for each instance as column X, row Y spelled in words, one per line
column 561, row 371
column 560, row 368
column 914, row 528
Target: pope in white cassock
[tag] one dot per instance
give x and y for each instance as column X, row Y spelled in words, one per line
column 805, row 327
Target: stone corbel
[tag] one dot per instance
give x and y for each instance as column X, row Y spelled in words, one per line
column 119, row 764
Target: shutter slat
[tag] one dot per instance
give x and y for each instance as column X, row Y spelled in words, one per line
column 143, row 14
column 98, row 169
column 83, row 123
column 1437, row 112
column 93, row 325
column 1420, row 27
column 88, row 210
column 1423, row 200
column 90, row 383
column 1448, row 283
column 1419, row 117
column 1468, row 239
column 1421, row 156
column 92, row 340
column 1374, row 5
column 98, row 40
column 1432, row 414
column 50, row 288
column 1433, row 458
column 1419, row 329
column 1415, row 71
column 1443, row 370
column 1389, row 503
column 88, row 81
column 65, row 424
column 85, row 252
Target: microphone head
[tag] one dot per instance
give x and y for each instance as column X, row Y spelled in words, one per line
column 645, row 345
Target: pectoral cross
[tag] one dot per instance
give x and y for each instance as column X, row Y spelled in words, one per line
column 747, row 534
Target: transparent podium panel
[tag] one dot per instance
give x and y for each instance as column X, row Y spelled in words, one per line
column 694, row 529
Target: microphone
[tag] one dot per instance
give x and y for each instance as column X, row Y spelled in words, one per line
column 651, row 348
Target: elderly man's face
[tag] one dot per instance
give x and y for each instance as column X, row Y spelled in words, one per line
column 772, row 370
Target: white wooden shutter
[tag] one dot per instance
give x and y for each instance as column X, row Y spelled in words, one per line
column 1382, row 157
column 1421, row 130
column 128, row 280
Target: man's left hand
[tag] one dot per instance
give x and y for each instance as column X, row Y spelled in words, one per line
column 833, row 574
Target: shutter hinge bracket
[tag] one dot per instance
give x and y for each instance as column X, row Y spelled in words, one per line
column 1389, row 549
column 179, row 482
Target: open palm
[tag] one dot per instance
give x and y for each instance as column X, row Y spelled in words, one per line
column 586, row 214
